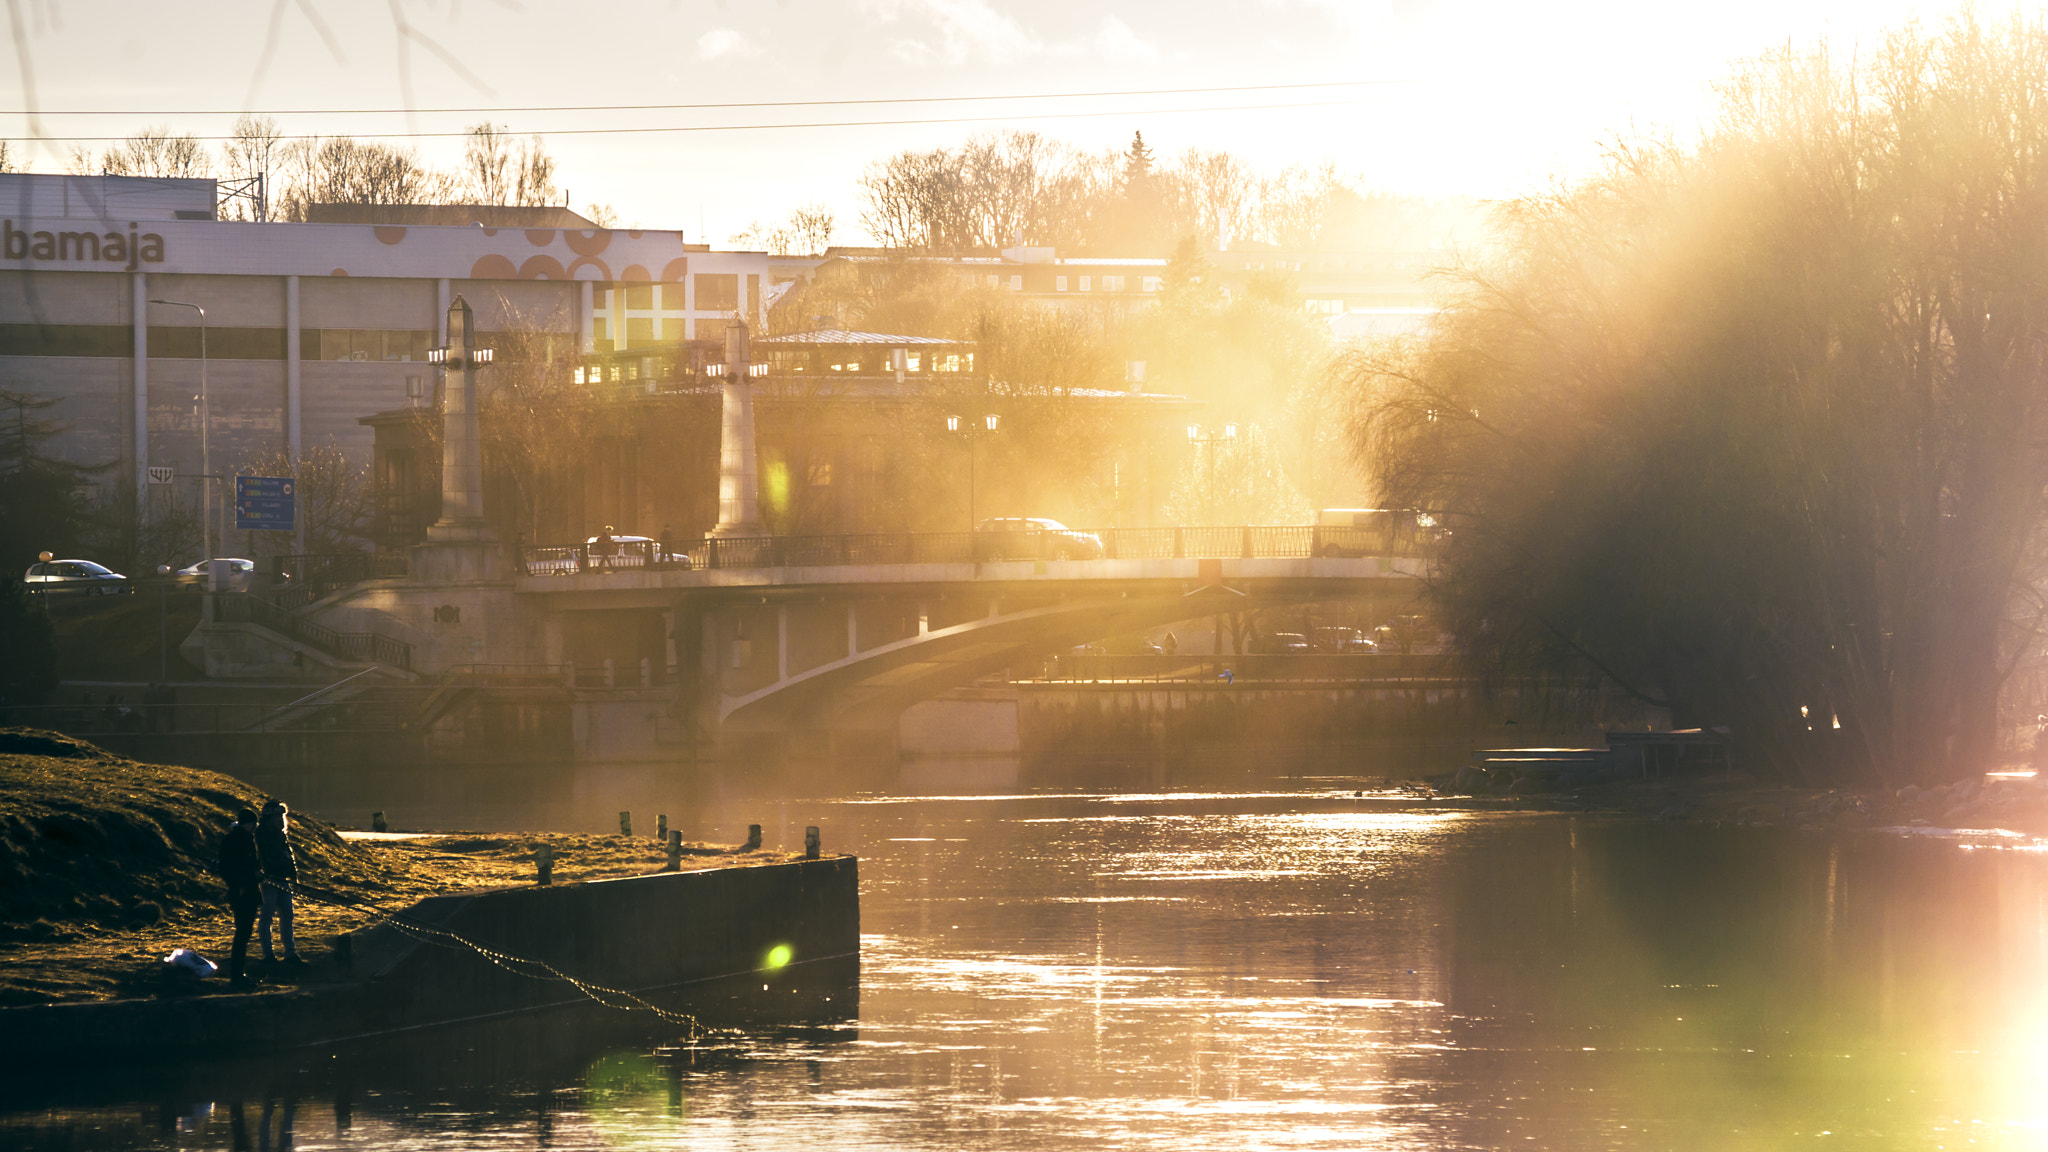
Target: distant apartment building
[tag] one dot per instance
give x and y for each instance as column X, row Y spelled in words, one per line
column 1360, row 293
column 309, row 326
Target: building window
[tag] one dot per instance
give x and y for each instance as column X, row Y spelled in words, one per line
column 118, row 340
column 993, row 281
column 1059, row 283
column 1112, row 283
column 1086, row 281
column 716, row 292
column 1153, row 283
column 1016, row 283
column 365, row 344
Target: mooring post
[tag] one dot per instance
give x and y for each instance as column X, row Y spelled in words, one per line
column 753, row 838
column 625, row 823
column 811, row 842
column 675, row 850
column 377, row 823
column 544, row 864
column 661, row 828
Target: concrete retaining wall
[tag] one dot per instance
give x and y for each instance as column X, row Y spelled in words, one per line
column 698, row 942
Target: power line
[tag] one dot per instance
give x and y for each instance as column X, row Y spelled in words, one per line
column 707, row 107
column 750, row 127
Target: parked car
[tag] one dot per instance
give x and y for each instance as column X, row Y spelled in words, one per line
column 1343, row 640
column 1277, row 642
column 1034, row 538
column 75, row 578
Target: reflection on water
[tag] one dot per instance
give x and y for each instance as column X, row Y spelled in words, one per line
column 1266, row 971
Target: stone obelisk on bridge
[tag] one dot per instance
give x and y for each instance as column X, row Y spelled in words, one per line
column 739, row 488
column 460, row 546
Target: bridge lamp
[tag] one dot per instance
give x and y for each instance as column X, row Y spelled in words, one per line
column 453, row 359
column 1197, row 438
column 972, row 430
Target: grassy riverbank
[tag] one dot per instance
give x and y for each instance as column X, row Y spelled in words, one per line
column 105, row 868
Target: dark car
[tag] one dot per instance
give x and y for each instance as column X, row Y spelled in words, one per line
column 75, row 578
column 1277, row 642
column 1343, row 640
column 1034, row 538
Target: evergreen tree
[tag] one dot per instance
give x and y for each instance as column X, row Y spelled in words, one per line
column 29, row 671
column 1137, row 164
column 42, row 500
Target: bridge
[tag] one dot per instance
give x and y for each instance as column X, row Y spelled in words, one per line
column 746, row 638
column 853, row 629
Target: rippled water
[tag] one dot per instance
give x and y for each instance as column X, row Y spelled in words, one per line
column 1268, row 971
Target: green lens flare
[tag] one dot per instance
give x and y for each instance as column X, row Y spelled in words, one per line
column 779, row 956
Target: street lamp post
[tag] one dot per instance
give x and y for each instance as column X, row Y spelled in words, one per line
column 973, row 431
column 205, row 450
column 1214, row 440
column 163, row 623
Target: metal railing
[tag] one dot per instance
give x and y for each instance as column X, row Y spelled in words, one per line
column 360, row 647
column 301, row 578
column 129, row 714
column 1242, row 670
column 1241, row 542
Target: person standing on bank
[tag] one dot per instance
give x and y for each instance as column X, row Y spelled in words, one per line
column 243, row 872
column 280, row 872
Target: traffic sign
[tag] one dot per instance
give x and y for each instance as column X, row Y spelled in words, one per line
column 160, row 475
column 266, row 503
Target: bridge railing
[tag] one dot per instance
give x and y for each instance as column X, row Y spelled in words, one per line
column 1241, row 669
column 1240, row 542
column 360, row 647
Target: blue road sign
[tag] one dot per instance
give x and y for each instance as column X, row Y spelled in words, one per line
column 266, row 503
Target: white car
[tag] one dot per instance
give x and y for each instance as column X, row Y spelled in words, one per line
column 75, row 578
column 1034, row 538
column 239, row 572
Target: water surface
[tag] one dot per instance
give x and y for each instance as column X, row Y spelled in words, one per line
column 1266, row 970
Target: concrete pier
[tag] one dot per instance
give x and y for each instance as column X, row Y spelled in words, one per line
column 770, row 943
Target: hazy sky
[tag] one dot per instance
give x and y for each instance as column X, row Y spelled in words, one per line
column 1471, row 97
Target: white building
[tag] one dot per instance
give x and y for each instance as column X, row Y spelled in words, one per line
column 309, row 326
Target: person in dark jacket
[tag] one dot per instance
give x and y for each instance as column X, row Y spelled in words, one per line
column 243, row 872
column 280, row 872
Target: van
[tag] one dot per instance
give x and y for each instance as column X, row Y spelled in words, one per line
column 1353, row 532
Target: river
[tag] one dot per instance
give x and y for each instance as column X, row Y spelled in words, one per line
column 1297, row 970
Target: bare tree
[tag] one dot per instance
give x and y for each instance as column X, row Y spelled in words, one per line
column 1221, row 194
column 914, row 201
column 254, row 151
column 343, row 170
column 156, row 152
column 331, row 494
column 497, row 169
column 806, row 232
